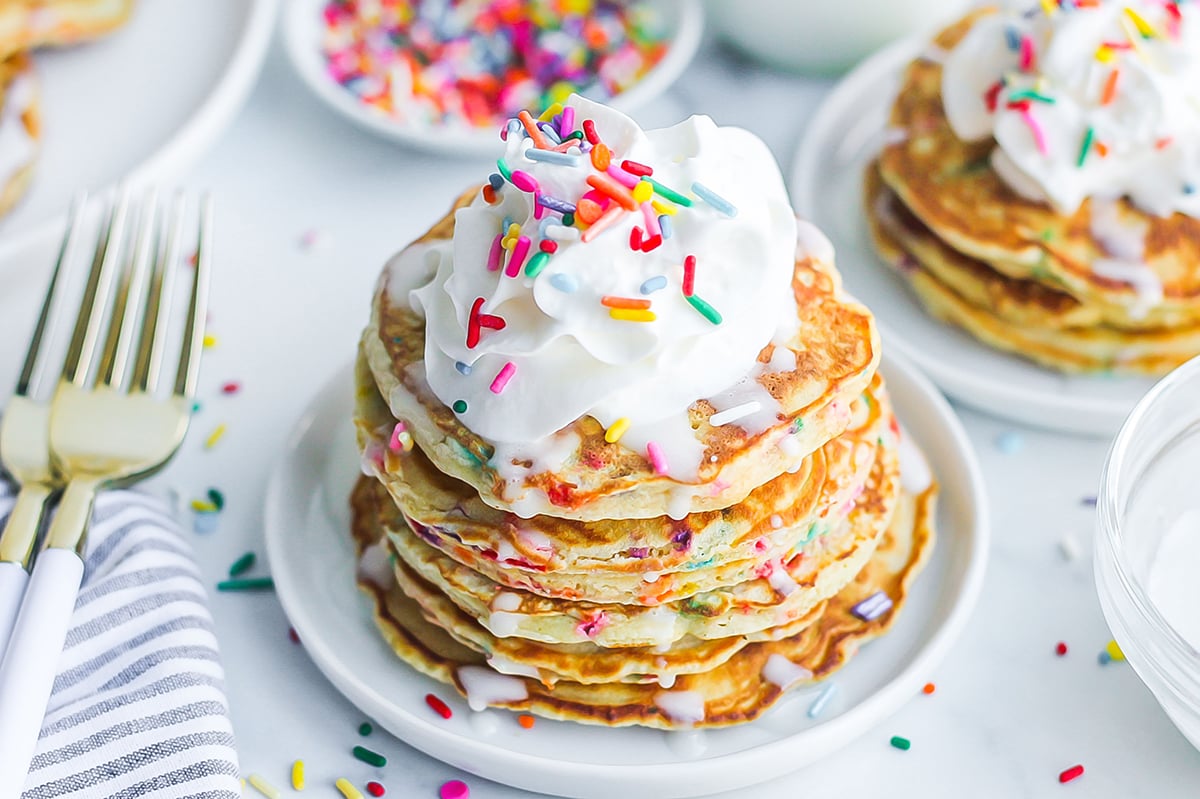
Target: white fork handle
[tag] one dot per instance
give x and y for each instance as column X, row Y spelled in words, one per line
column 13, row 578
column 30, row 666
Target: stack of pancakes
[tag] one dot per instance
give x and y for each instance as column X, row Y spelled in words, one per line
column 794, row 546
column 1014, row 272
column 26, row 25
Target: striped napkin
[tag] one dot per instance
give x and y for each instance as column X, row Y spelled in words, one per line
column 139, row 705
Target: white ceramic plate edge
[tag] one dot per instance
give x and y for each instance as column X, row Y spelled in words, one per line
column 189, row 143
column 1093, row 415
column 298, row 29
column 675, row 779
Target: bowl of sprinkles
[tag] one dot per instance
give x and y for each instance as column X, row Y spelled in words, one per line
column 442, row 75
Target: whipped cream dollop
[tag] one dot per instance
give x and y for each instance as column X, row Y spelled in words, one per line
column 1085, row 99
column 597, row 325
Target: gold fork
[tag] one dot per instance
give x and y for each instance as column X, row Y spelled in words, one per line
column 25, row 446
column 108, row 428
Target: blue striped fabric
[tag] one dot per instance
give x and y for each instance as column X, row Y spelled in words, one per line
column 139, row 705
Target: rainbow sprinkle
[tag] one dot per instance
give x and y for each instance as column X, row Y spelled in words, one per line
column 707, row 311
column 617, row 429
column 298, row 775
column 262, row 786
column 657, row 458
column 347, row 789
column 478, row 64
column 502, row 378
column 715, row 200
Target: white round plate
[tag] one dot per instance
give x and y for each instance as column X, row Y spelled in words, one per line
column 140, row 104
column 312, row 560
column 303, row 26
column 846, row 133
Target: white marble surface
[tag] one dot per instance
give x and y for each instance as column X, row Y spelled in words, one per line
column 1008, row 714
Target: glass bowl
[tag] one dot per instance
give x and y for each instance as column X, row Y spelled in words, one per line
column 1149, row 498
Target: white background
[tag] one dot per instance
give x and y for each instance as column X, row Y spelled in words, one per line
column 1008, row 715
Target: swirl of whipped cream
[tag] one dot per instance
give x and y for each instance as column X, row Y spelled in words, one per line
column 1099, row 99
column 562, row 353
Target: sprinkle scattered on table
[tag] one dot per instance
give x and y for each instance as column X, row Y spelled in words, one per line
column 347, row 788
column 454, row 789
column 313, row 238
column 1113, row 650
column 247, row 584
column 526, row 721
column 216, row 435
column 1060, row 648
column 477, row 64
column 231, row 387
column 262, row 786
column 369, row 757
column 298, row 775
column 929, row 688
column 901, row 743
column 241, row 565
column 293, row 636
column 1010, row 442
column 204, row 522
column 1072, row 773
column 375, row 789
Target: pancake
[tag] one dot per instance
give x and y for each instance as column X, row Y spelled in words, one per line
column 607, row 561
column 29, row 24
column 740, row 688
column 20, row 127
column 1022, row 317
column 950, row 185
column 782, row 587
column 580, row 476
column 1021, row 302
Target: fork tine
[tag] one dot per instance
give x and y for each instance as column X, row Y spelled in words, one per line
column 31, row 372
column 193, row 333
column 118, row 349
column 78, row 366
column 148, row 366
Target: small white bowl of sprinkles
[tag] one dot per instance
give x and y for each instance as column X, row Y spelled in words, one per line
column 444, row 75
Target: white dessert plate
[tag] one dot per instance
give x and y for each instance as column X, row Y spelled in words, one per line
column 141, row 104
column 313, row 563
column 302, row 28
column 844, row 135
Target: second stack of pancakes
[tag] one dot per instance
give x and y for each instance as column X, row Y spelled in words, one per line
column 1037, row 186
column 583, row 576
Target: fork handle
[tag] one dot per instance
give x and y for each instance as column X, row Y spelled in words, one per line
column 13, row 579
column 30, row 665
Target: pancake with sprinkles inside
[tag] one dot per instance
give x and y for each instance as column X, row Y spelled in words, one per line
column 741, row 688
column 622, row 560
column 1021, row 316
column 1059, row 146
column 626, row 457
